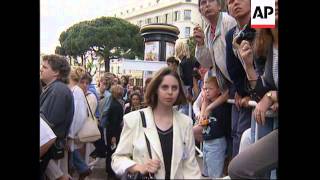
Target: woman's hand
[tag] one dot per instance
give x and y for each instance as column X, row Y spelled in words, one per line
column 245, row 101
column 206, row 114
column 151, row 166
column 245, row 51
column 261, row 109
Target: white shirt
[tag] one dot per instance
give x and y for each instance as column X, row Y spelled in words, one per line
column 46, row 133
column 80, row 111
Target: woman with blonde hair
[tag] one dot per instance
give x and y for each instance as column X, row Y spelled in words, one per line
column 79, row 118
column 186, row 67
column 168, row 132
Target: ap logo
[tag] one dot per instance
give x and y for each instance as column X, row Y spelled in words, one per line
column 262, row 13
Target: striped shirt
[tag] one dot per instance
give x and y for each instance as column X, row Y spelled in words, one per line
column 275, row 69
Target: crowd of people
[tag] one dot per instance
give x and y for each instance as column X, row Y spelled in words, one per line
column 154, row 130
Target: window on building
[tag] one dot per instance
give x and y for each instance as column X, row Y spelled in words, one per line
column 166, row 18
column 176, row 16
column 187, row 32
column 157, row 1
column 188, row 0
column 127, row 11
column 112, row 69
column 148, row 20
column 118, row 69
column 157, row 19
column 132, row 9
column 187, row 14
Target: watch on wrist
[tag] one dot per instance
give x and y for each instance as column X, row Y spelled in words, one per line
column 269, row 95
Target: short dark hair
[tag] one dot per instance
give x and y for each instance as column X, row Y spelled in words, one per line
column 135, row 94
column 126, row 78
column 151, row 96
column 172, row 59
column 60, row 64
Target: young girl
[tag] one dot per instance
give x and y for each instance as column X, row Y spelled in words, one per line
column 168, row 131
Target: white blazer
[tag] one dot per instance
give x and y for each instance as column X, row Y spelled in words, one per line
column 132, row 144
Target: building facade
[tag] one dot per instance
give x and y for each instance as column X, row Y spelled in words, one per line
column 181, row 13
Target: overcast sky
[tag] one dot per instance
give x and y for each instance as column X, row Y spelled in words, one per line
column 58, row 15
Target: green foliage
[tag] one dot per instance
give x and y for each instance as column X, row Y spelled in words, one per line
column 192, row 46
column 101, row 36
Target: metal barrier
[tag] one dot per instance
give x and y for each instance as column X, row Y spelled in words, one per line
column 255, row 126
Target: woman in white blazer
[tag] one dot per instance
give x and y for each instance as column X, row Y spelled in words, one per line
column 168, row 131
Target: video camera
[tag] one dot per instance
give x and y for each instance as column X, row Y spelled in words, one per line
column 247, row 33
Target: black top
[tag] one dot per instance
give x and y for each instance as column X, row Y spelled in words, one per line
column 186, row 68
column 57, row 105
column 269, row 84
column 115, row 115
column 166, row 138
column 220, row 123
column 234, row 66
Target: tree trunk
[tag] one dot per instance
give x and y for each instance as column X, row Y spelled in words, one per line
column 70, row 61
column 106, row 64
column 81, row 60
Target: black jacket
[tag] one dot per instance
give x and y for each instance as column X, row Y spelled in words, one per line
column 186, row 68
column 115, row 116
column 56, row 104
column 221, row 125
column 234, row 67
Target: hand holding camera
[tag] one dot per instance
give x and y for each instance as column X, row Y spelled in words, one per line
column 247, row 34
column 245, row 51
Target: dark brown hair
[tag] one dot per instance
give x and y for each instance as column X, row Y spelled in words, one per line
column 60, row 64
column 172, row 59
column 151, row 96
column 135, row 94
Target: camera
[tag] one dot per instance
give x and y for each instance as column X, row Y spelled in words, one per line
column 247, row 34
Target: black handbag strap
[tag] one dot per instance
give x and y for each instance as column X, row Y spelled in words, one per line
column 144, row 124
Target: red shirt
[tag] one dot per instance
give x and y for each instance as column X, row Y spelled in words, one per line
column 212, row 31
